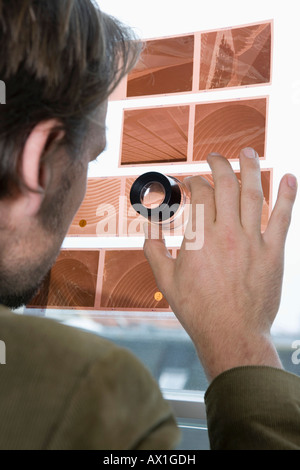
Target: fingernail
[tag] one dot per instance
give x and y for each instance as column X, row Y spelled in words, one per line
column 292, row 182
column 249, row 152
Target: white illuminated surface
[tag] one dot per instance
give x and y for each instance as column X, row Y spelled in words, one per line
column 158, row 18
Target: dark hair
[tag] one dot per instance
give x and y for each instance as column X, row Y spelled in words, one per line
column 59, row 59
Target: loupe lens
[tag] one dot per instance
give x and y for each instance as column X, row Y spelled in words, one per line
column 160, row 199
column 153, row 195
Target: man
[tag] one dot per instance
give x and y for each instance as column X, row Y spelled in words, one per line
column 60, row 388
column 65, row 389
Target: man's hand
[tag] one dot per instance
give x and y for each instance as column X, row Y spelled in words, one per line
column 227, row 294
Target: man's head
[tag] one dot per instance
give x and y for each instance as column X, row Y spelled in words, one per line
column 60, row 60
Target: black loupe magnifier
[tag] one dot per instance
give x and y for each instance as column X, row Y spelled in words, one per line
column 158, row 198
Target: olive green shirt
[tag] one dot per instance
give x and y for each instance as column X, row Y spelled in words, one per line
column 254, row 408
column 63, row 388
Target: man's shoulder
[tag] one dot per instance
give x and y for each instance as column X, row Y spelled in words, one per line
column 36, row 339
column 71, row 384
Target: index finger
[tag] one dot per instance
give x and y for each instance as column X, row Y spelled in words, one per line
column 227, row 190
column 202, row 192
column 202, row 212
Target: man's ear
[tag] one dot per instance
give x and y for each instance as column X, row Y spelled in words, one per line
column 36, row 171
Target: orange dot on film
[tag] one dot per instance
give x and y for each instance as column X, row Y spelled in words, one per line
column 83, row 223
column 158, row 296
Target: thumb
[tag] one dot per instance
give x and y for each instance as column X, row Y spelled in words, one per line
column 159, row 257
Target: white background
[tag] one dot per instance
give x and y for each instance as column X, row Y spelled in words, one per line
column 158, row 18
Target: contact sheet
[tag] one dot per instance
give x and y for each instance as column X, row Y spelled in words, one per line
column 206, row 60
column 179, row 136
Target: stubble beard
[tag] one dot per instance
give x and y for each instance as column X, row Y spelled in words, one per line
column 21, row 280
